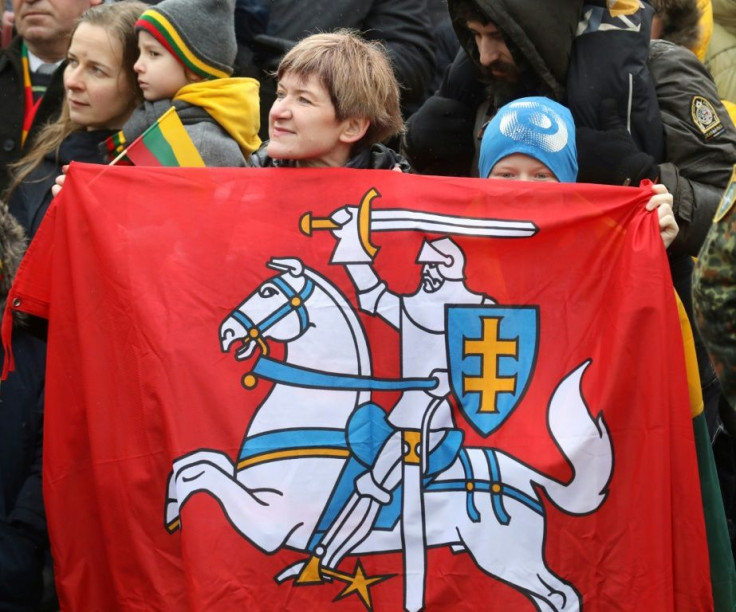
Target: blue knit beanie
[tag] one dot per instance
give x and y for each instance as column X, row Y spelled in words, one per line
column 537, row 127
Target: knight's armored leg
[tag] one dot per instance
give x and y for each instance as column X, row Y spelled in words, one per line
column 372, row 490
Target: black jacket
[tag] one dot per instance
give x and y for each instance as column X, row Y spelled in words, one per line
column 609, row 60
column 403, row 26
column 698, row 158
column 22, row 517
column 30, row 200
column 12, row 106
column 21, row 414
column 378, row 157
column 442, row 136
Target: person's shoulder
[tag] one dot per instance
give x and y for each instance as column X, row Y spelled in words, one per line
column 10, row 56
column 686, row 92
column 82, row 146
column 384, row 158
column 718, row 255
column 676, row 71
column 143, row 117
column 260, row 158
column 216, row 147
column 661, row 50
column 725, row 216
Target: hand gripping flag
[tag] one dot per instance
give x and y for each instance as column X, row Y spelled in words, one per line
column 290, row 389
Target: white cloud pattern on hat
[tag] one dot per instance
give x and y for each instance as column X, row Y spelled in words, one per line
column 543, row 128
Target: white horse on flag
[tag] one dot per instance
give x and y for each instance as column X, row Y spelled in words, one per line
column 306, row 445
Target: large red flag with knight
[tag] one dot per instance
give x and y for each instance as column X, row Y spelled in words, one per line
column 286, row 389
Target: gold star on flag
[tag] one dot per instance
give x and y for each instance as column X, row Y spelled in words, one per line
column 359, row 584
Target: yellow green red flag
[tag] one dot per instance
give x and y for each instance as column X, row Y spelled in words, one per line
column 165, row 143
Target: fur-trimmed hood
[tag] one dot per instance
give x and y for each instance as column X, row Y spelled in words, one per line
column 12, row 248
column 680, row 21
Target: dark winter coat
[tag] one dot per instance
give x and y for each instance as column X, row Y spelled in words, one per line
column 443, row 135
column 378, row 157
column 12, row 106
column 30, row 200
column 403, row 26
column 699, row 152
column 22, row 517
column 609, row 60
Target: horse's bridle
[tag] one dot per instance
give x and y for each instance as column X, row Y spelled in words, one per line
column 294, row 303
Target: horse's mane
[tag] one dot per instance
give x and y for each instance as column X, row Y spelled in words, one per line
column 356, row 328
column 295, row 267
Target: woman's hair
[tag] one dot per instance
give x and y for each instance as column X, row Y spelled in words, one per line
column 358, row 77
column 118, row 19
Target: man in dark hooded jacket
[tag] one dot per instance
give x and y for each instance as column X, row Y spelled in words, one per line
column 442, row 136
column 515, row 48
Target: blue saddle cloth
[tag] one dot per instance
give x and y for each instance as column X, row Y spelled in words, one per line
column 367, row 432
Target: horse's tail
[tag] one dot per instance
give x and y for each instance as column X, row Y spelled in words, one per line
column 586, row 444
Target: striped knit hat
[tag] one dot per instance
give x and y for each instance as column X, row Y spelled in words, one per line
column 199, row 33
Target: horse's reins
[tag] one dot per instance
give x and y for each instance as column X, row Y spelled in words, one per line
column 294, row 303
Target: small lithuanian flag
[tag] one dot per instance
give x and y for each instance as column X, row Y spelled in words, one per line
column 165, row 143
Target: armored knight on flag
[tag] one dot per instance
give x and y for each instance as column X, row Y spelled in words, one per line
column 405, row 482
column 421, row 418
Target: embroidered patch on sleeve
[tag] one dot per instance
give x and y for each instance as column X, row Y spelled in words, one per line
column 727, row 201
column 705, row 117
column 617, row 8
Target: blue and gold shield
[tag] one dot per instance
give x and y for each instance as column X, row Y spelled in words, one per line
column 492, row 351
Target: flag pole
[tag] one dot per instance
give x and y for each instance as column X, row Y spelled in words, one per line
column 118, row 158
column 165, row 114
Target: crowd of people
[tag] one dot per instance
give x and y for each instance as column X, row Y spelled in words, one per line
column 422, row 86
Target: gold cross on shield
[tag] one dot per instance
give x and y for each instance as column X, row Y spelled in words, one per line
column 490, row 347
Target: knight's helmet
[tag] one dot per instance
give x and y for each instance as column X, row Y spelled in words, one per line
column 447, row 254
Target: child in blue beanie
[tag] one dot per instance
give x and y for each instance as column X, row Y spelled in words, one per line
column 533, row 139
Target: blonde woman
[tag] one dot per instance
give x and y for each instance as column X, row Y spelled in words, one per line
column 101, row 92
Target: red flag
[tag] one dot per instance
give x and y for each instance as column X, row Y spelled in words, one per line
column 237, row 394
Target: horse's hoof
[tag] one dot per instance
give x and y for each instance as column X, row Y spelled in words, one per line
column 310, row 573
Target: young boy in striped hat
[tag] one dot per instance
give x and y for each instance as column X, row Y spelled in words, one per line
column 187, row 49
